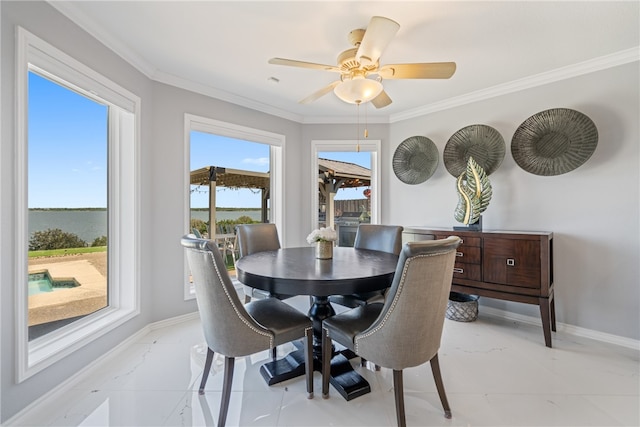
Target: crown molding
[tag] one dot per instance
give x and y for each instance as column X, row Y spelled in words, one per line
column 222, row 95
column 570, row 71
column 563, row 73
column 99, row 33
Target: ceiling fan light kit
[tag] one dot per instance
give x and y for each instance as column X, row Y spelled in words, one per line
column 360, row 70
column 358, row 90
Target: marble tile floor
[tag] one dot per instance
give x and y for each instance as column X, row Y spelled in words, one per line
column 496, row 373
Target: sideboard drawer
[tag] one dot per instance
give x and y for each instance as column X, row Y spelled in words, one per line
column 467, row 271
column 468, row 254
column 466, row 240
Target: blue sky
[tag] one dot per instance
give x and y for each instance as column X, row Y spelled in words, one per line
column 67, row 147
column 67, row 154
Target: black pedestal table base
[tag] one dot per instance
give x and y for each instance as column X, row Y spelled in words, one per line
column 289, row 367
column 343, row 378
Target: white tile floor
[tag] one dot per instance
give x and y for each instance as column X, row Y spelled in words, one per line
column 496, row 373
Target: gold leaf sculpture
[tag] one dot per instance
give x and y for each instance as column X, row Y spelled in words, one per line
column 474, row 193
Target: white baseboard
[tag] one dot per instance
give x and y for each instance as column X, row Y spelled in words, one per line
column 174, row 321
column 568, row 329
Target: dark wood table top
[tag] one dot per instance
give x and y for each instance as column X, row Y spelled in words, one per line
column 297, row 271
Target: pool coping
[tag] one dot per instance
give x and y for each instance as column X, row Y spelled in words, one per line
column 66, row 303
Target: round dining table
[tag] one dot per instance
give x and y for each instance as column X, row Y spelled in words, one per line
column 297, row 271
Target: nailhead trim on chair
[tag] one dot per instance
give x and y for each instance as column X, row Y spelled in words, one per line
column 235, row 309
column 395, row 299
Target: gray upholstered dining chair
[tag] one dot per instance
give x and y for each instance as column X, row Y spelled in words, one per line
column 234, row 329
column 383, row 238
column 252, row 238
column 404, row 331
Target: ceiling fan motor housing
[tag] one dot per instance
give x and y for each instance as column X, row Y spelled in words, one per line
column 347, row 62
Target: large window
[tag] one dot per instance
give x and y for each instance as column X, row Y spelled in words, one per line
column 76, row 204
column 230, row 185
column 234, row 172
column 67, row 197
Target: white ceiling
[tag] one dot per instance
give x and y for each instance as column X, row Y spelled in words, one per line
column 221, row 48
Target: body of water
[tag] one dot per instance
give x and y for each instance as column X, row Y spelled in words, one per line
column 91, row 224
column 87, row 225
column 223, row 215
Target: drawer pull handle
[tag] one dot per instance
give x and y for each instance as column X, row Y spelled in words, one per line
column 459, row 254
column 458, row 270
column 511, row 262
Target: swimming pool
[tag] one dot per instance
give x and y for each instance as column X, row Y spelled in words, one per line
column 42, row 282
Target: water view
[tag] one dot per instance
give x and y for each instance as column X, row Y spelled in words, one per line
column 90, row 224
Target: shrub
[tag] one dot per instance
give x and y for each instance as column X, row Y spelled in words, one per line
column 199, row 225
column 100, row 241
column 54, row 239
column 244, row 219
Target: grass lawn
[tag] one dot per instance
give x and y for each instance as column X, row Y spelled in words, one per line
column 69, row 251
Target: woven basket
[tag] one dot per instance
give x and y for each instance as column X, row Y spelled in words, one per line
column 462, row 307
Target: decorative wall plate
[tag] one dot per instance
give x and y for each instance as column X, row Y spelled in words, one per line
column 482, row 142
column 415, row 160
column 554, row 142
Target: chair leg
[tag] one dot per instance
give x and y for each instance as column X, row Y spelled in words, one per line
column 274, row 353
column 437, row 376
column 207, row 368
column 229, row 363
column 308, row 361
column 398, row 390
column 326, row 363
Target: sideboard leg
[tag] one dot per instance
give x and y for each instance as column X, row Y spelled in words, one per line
column 552, row 302
column 545, row 314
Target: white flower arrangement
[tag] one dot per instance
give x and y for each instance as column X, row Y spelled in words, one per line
column 324, row 234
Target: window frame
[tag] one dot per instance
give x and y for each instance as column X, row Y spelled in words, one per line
column 276, row 144
column 34, row 54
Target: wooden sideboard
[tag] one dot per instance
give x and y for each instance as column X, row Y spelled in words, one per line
column 507, row 265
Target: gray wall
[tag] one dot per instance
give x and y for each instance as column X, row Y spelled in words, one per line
column 593, row 210
column 167, row 192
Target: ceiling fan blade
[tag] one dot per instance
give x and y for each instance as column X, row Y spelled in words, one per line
column 428, row 70
column 376, row 38
column 302, row 64
column 319, row 93
column 382, row 100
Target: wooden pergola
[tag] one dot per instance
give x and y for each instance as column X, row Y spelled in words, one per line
column 332, row 176
column 215, row 176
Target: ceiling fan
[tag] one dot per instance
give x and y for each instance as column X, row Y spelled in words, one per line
column 359, row 67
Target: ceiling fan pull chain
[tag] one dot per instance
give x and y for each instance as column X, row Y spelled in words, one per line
column 366, row 122
column 358, row 128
